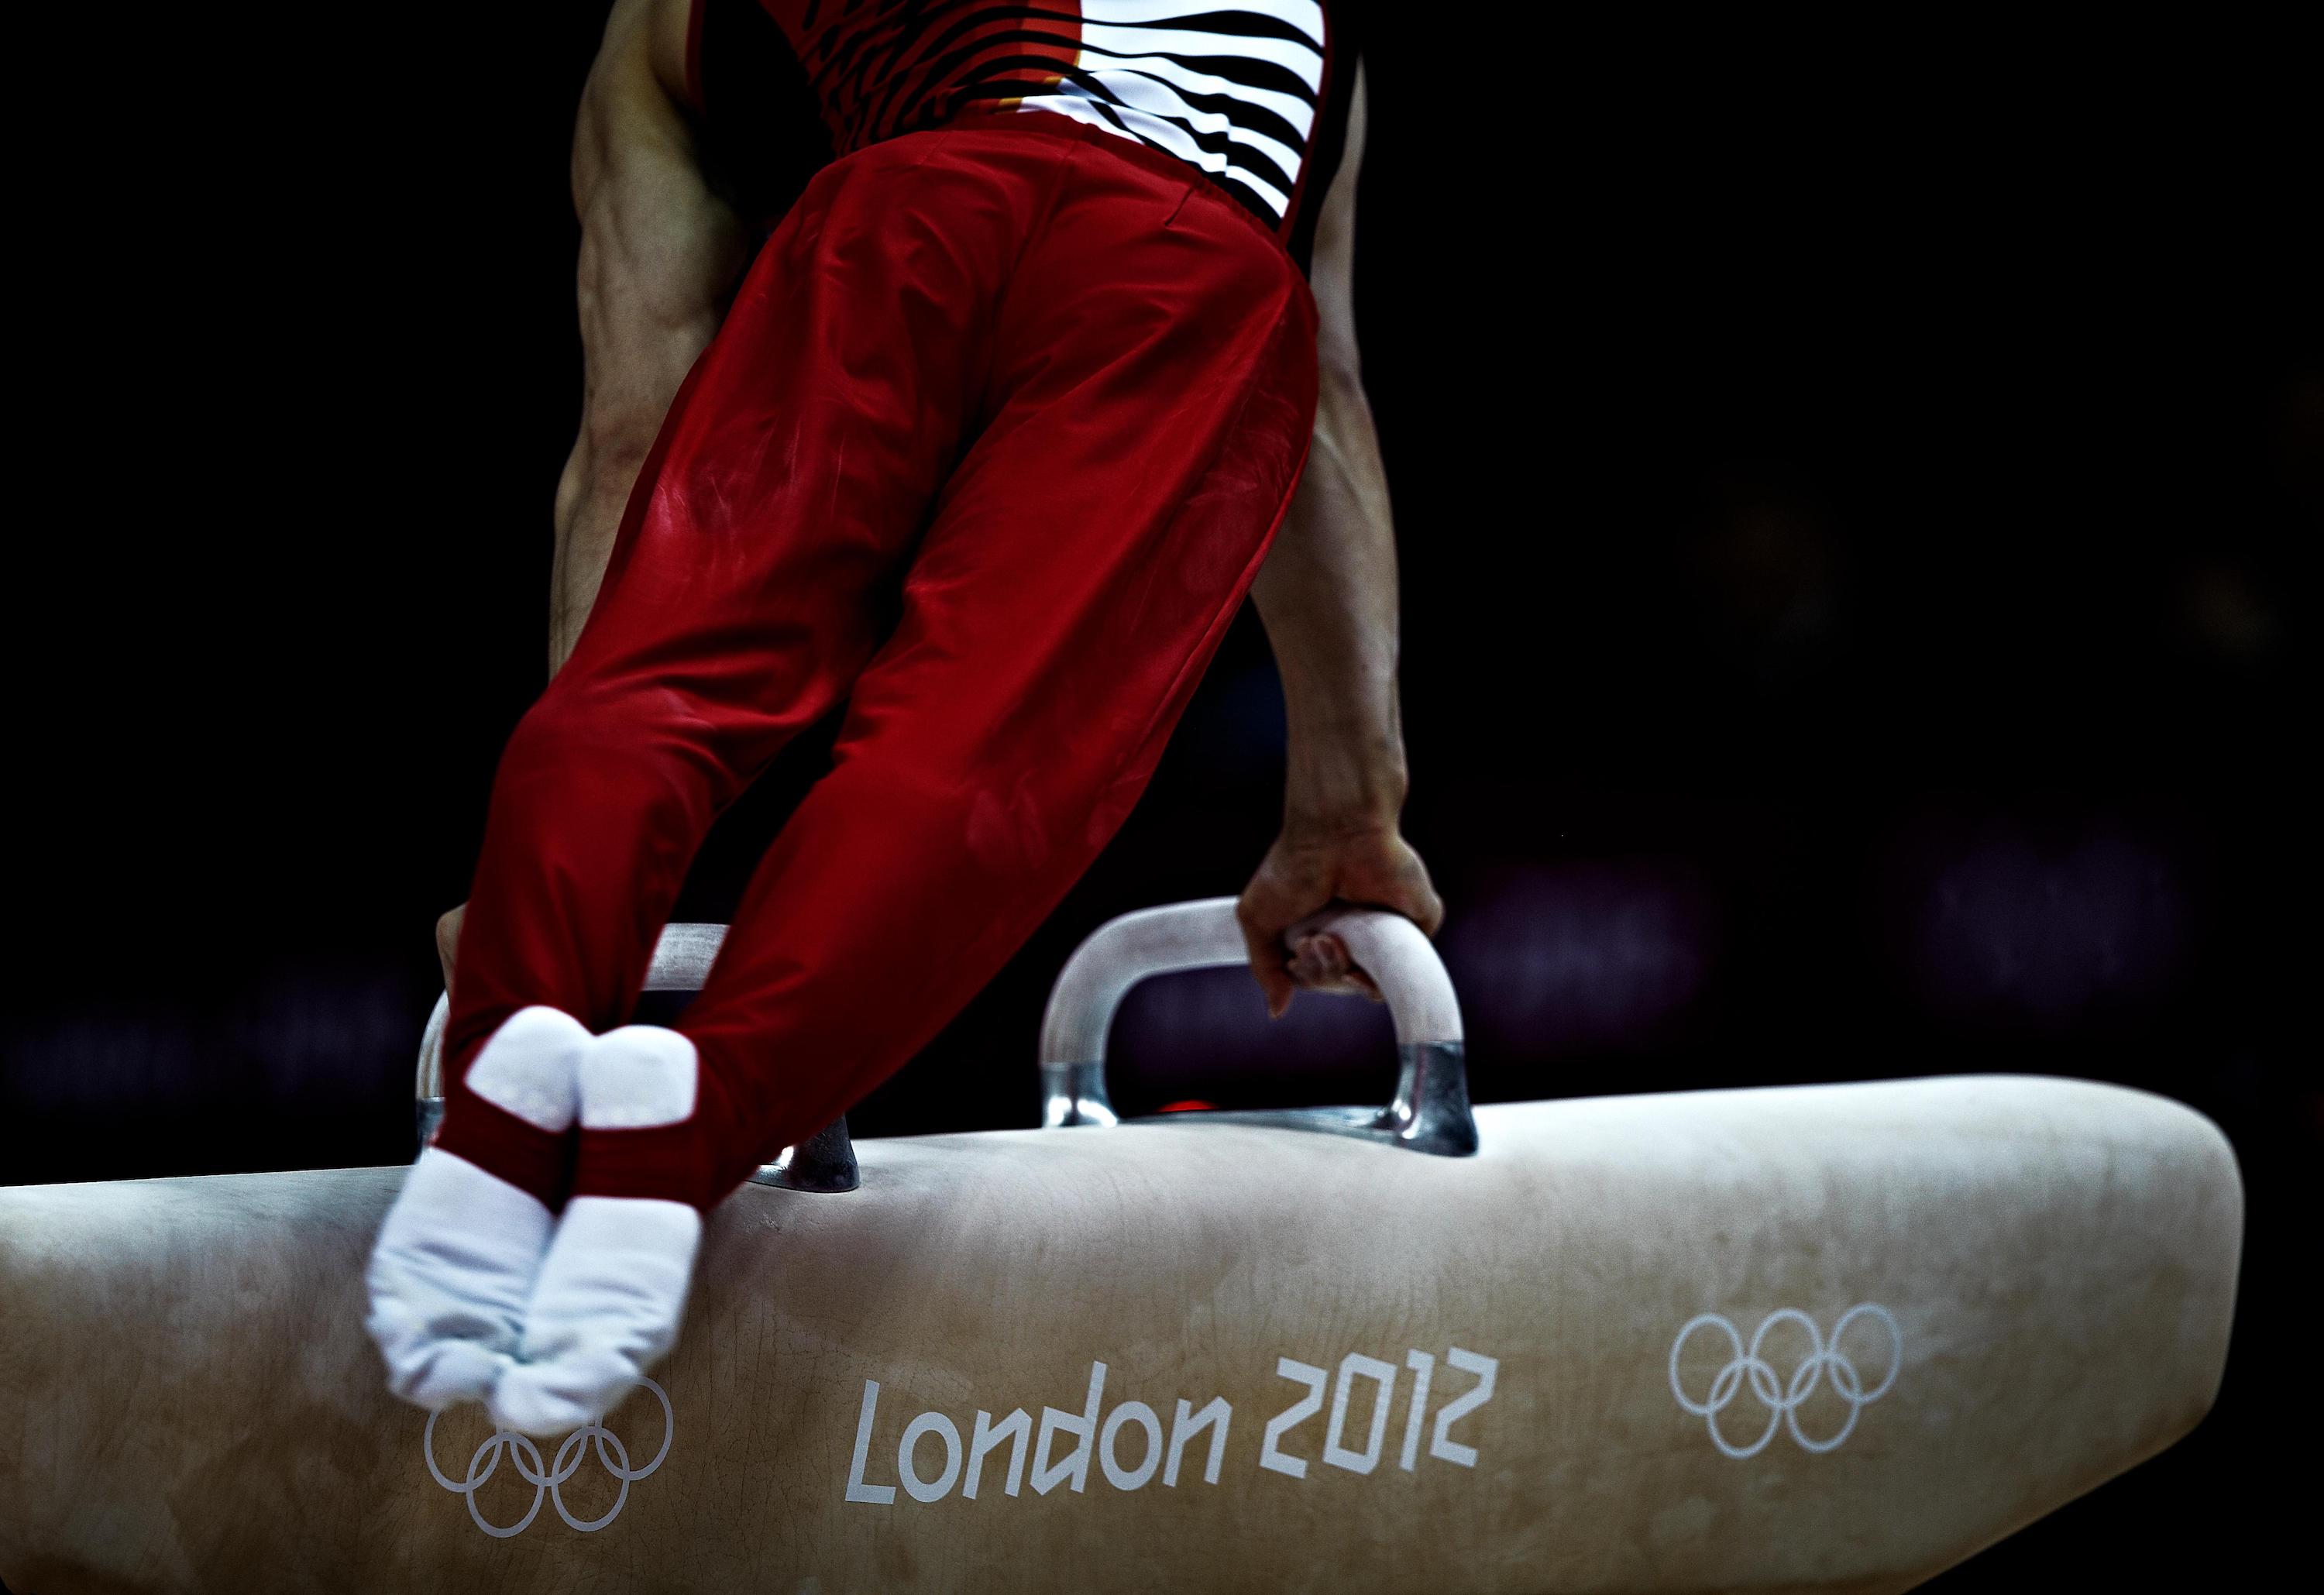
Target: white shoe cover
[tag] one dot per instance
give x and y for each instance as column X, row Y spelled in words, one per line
column 606, row 1309
column 450, row 1277
column 458, row 1255
column 614, row 1286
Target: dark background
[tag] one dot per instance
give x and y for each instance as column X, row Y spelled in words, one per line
column 1859, row 499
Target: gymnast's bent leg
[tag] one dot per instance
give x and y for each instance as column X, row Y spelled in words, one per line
column 1153, row 377
column 765, row 539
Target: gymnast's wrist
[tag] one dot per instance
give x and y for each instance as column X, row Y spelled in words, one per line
column 1348, row 788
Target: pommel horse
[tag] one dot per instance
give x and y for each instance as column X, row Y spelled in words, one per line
column 1825, row 1339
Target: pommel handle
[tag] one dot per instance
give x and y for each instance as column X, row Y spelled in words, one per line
column 1430, row 1112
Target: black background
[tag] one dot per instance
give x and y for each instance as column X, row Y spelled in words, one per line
column 1859, row 499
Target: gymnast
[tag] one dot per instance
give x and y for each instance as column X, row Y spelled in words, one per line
column 1007, row 412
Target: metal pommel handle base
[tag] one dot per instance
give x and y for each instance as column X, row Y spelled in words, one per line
column 1429, row 1111
column 824, row 1162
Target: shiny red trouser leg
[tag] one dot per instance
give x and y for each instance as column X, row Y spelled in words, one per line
column 991, row 446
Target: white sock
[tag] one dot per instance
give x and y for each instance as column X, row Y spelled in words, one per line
column 458, row 1253
column 613, row 1288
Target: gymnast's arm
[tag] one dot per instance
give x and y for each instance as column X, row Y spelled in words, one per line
column 1328, row 596
column 659, row 254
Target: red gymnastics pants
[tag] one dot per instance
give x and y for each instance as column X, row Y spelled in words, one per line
column 990, row 446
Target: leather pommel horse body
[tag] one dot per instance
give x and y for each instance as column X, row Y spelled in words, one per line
column 1830, row 1339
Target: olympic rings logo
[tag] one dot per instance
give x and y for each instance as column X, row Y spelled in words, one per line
column 525, row 1457
column 1783, row 1399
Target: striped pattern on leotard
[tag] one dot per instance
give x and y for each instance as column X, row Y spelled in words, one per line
column 1231, row 89
column 1234, row 88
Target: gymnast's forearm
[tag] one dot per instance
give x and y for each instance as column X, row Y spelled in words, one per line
column 1328, row 597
